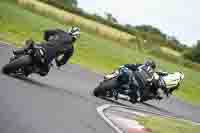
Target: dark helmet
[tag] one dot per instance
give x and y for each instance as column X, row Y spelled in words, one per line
column 150, row 63
column 75, row 32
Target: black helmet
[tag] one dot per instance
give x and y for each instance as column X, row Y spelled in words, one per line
column 150, row 63
column 75, row 32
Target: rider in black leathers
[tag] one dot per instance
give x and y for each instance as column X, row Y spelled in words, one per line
column 144, row 77
column 58, row 43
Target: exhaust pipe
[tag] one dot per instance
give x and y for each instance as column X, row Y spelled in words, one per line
column 124, row 97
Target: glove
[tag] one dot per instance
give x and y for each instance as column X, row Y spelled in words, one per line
column 121, row 66
column 58, row 64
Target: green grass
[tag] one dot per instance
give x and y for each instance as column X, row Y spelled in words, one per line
column 166, row 125
column 92, row 51
column 18, row 24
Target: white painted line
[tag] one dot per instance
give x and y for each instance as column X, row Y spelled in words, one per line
column 100, row 110
column 124, row 122
column 2, row 46
column 4, row 43
column 161, row 115
column 132, row 112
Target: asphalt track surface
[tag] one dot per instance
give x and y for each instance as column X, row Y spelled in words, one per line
column 62, row 102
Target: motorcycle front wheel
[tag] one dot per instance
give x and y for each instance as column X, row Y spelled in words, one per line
column 16, row 64
column 106, row 87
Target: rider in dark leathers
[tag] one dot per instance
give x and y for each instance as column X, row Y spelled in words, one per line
column 58, row 46
column 144, row 77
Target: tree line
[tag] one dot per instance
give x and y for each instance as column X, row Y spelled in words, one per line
column 148, row 33
column 193, row 53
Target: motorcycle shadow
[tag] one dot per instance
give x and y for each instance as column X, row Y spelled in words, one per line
column 52, row 88
column 63, row 90
column 114, row 102
column 31, row 81
column 156, row 108
column 39, row 84
column 136, row 105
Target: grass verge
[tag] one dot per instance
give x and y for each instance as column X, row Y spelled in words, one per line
column 92, row 51
column 68, row 17
column 166, row 125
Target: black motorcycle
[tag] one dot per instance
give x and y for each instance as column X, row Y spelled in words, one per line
column 117, row 85
column 26, row 63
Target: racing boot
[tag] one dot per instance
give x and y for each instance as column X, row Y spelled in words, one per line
column 28, row 44
column 133, row 99
column 138, row 93
column 158, row 95
column 136, row 98
column 18, row 51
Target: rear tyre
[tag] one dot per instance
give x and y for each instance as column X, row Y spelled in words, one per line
column 105, row 86
column 16, row 64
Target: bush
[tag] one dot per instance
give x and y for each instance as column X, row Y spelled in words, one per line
column 178, row 60
column 94, row 17
column 193, row 54
column 155, row 36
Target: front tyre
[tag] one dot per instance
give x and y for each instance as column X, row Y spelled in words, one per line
column 14, row 65
column 98, row 92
